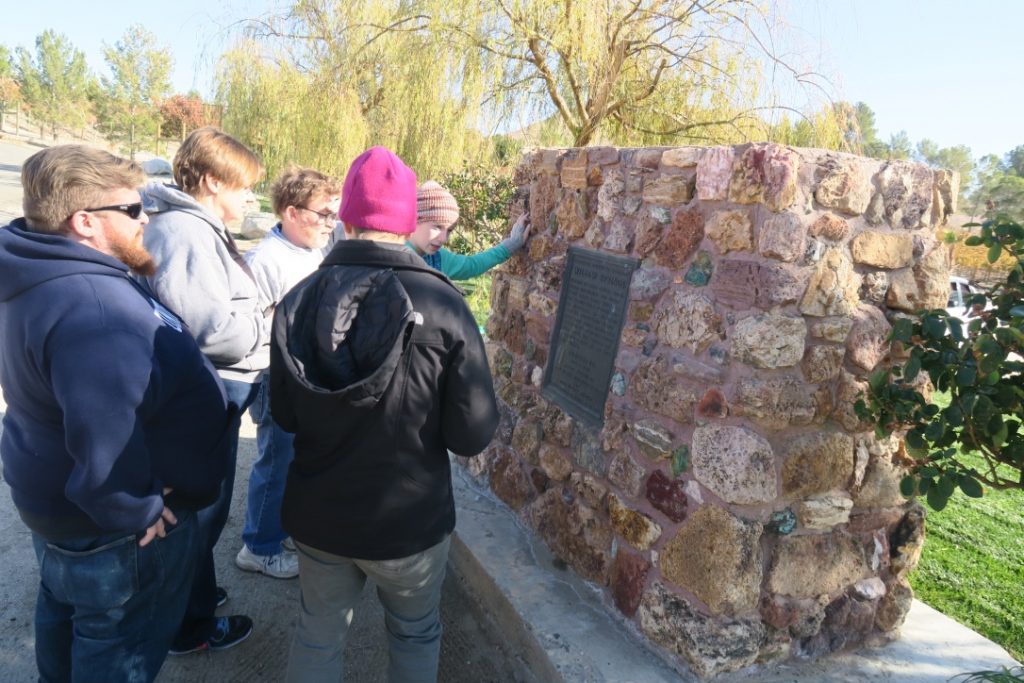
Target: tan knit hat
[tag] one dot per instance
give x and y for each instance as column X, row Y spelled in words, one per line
column 434, row 203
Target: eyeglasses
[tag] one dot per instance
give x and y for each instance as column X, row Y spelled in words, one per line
column 133, row 211
column 323, row 216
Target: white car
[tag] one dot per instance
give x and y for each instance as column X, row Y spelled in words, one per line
column 960, row 290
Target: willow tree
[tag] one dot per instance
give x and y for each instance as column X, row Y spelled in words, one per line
column 382, row 68
column 285, row 116
column 633, row 71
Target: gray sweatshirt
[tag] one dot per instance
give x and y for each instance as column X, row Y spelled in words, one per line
column 198, row 279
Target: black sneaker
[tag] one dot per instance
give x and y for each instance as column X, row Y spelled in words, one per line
column 230, row 631
column 222, row 596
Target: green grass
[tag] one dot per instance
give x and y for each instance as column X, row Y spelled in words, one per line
column 972, row 567
column 478, row 296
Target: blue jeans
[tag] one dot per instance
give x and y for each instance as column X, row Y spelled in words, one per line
column 409, row 588
column 274, row 452
column 107, row 609
column 199, row 622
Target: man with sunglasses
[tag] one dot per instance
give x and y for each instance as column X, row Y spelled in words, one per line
column 117, row 426
column 307, row 203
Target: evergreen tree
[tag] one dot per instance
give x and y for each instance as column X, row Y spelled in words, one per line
column 55, row 82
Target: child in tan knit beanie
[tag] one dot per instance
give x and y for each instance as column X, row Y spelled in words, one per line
column 436, row 213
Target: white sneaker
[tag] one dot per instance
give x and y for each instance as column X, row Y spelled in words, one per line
column 280, row 566
column 288, row 544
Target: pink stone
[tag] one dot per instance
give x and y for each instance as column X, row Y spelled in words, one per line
column 629, row 573
column 667, row 495
column 714, row 171
column 735, row 283
column 766, row 173
column 713, row 404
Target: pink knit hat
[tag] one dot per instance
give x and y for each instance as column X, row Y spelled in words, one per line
column 434, row 203
column 379, row 193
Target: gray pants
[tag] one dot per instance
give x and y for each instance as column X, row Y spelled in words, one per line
column 409, row 588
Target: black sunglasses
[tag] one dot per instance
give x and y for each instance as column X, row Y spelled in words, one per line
column 133, row 211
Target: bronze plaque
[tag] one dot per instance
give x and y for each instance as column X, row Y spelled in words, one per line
column 591, row 312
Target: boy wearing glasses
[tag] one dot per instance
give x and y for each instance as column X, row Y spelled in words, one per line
column 117, row 427
column 203, row 278
column 307, row 203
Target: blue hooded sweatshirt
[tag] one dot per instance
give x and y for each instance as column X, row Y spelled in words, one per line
column 109, row 399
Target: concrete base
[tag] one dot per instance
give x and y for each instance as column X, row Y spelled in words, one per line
column 564, row 631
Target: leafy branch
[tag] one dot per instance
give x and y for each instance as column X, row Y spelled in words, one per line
column 978, row 363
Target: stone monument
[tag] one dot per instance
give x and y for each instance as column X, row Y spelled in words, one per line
column 724, row 494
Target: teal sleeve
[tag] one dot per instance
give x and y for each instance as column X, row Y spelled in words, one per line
column 461, row 267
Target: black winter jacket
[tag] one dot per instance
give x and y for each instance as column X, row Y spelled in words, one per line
column 378, row 368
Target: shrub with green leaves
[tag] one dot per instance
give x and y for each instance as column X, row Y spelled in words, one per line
column 483, row 197
column 978, row 363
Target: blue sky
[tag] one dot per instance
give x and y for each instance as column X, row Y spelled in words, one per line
column 949, row 70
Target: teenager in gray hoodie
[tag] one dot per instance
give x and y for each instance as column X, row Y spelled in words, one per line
column 202, row 277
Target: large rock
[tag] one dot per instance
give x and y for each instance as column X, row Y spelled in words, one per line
column 808, row 566
column 627, row 474
column 639, row 530
column 868, row 343
column 817, row 463
column 893, row 607
column 824, row 512
column 883, row 249
column 822, row 363
column 689, row 321
column 769, row 340
column 629, row 573
column 681, row 240
column 682, row 157
column 509, row 480
column 735, row 463
column 716, row 556
column 834, row 288
column 907, row 194
column 256, row 226
column 157, row 167
column 710, row 645
column 657, row 388
column 731, row 231
column 609, row 197
column 947, row 189
column 575, row 533
column 924, row 286
column 782, row 237
column 776, row 403
column 844, row 185
column 714, row 171
column 668, row 190
column 766, row 173
column 667, row 495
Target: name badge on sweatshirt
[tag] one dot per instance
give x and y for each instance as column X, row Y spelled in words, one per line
column 165, row 315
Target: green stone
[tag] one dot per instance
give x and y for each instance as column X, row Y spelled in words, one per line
column 700, row 270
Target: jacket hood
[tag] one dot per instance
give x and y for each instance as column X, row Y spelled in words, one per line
column 30, row 258
column 158, row 197
column 349, row 326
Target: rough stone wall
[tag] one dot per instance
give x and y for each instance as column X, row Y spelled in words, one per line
column 733, row 506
